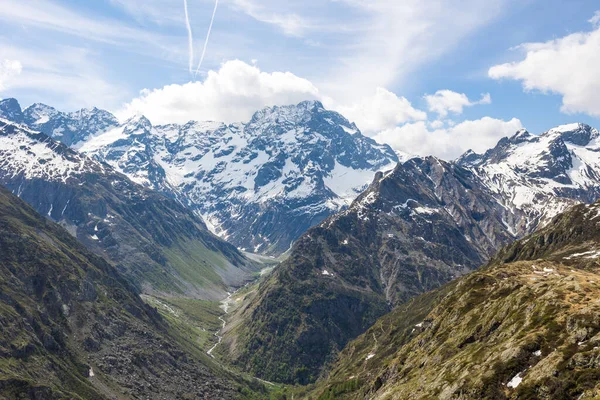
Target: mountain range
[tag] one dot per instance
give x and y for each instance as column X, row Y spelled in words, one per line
column 259, row 184
column 376, row 296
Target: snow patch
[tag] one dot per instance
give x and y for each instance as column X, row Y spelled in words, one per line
column 515, row 381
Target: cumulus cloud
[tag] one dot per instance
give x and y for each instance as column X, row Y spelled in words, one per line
column 231, row 94
column 445, row 101
column 235, row 91
column 383, row 110
column 567, row 66
column 8, row 70
column 478, row 135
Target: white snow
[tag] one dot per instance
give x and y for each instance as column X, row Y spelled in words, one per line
column 515, row 381
column 325, row 272
column 42, row 119
column 29, row 154
column 349, row 130
column 101, row 140
column 588, row 254
column 520, row 176
column 425, row 210
column 371, row 355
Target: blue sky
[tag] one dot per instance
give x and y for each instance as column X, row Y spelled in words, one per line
column 373, row 61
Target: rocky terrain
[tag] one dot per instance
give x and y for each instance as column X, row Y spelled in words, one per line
column 156, row 241
column 541, row 175
column 73, row 328
column 259, row 184
column 416, row 228
column 525, row 326
column 413, row 230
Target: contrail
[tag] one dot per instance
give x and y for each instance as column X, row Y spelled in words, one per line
column 207, row 37
column 190, row 38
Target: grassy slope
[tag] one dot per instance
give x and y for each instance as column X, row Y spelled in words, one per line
column 64, row 311
column 533, row 311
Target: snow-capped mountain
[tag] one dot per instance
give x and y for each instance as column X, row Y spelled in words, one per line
column 541, row 175
column 260, row 184
column 157, row 242
column 68, row 128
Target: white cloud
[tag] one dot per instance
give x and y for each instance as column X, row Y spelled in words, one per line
column 65, row 73
column 383, row 110
column 478, row 135
column 51, row 16
column 291, row 23
column 9, row 69
column 391, row 39
column 231, row 94
column 444, row 101
column 567, row 66
column 437, row 124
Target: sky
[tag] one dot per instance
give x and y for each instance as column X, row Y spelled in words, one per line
column 425, row 76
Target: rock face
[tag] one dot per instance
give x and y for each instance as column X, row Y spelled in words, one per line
column 157, row 242
column 525, row 326
column 541, row 175
column 413, row 230
column 260, row 184
column 72, row 327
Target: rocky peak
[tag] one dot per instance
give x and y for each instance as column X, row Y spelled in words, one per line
column 469, row 158
column 522, row 135
column 39, row 114
column 137, row 125
column 10, row 109
column 578, row 134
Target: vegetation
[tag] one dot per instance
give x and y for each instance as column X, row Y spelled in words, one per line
column 524, row 327
column 73, row 328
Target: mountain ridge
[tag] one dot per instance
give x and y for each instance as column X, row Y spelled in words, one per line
column 523, row 326
column 154, row 240
column 259, row 185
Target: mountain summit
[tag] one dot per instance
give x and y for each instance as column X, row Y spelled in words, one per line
column 259, row 185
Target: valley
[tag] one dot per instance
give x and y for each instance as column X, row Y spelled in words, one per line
column 299, row 200
column 316, row 316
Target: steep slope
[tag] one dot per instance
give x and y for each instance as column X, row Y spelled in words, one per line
column 414, row 229
column 72, row 327
column 343, row 273
column 260, row 184
column 541, row 175
column 525, row 326
column 156, row 241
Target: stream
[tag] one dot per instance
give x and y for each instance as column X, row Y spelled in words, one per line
column 225, row 307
